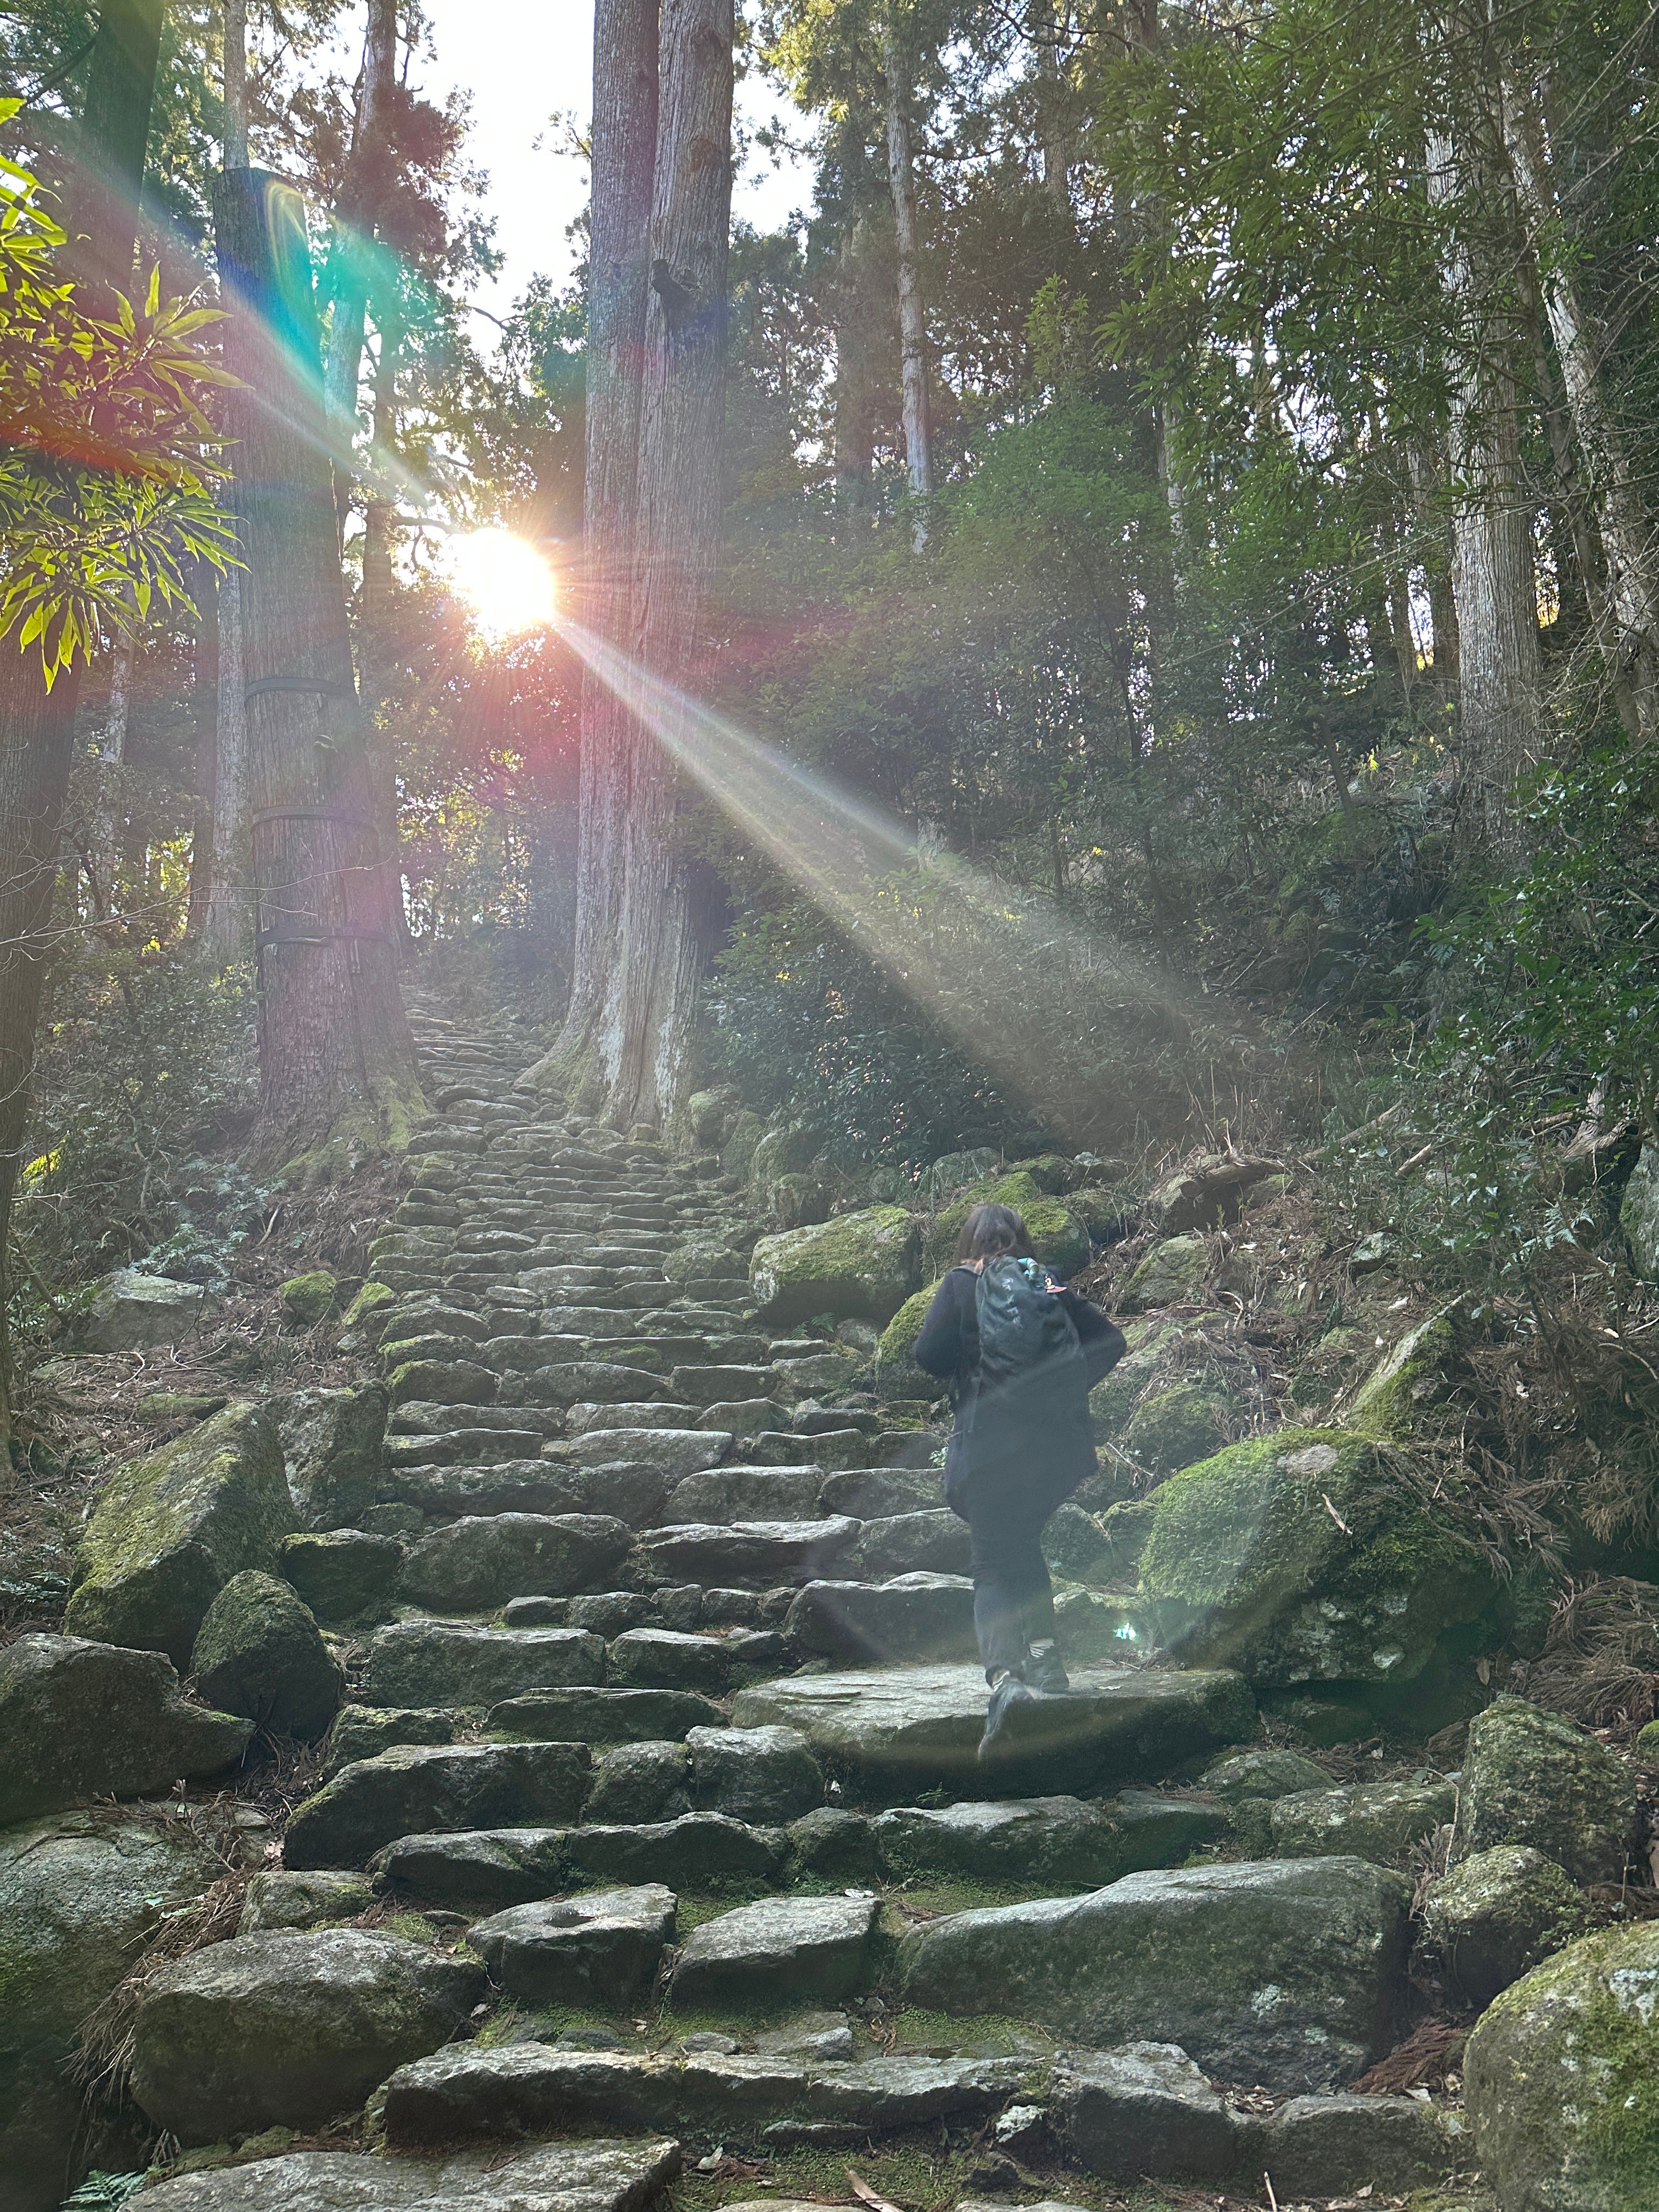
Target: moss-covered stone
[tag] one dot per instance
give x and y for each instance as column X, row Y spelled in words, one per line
column 331, row 1442
column 1303, row 1557
column 80, row 1720
column 897, row 1375
column 341, row 1573
column 858, row 1264
column 81, row 1895
column 1058, row 1237
column 1112, row 1401
column 1530, row 1777
column 1260, row 1772
column 1329, row 1366
column 1099, row 1210
column 1171, row 1274
column 1410, row 1376
column 745, row 1133
column 1638, row 1214
column 130, row 1311
column 1175, row 1429
column 1375, row 1820
column 787, row 1148
column 259, row 1651
column 178, row 1406
column 1050, row 1171
column 370, row 1311
column 308, row 1298
column 170, row 1530
column 1561, row 2080
column 1498, row 1915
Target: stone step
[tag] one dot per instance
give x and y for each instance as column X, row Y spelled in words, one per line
column 887, row 1733
column 618, row 1713
column 747, row 1555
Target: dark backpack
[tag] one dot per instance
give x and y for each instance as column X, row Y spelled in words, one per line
column 1025, row 1334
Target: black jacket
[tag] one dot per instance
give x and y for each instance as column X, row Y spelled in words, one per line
column 1045, row 1445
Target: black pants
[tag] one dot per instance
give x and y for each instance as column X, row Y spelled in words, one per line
column 1013, row 1598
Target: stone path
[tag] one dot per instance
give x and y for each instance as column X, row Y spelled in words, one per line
column 670, row 1701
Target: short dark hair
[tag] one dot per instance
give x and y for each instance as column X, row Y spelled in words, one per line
column 991, row 1231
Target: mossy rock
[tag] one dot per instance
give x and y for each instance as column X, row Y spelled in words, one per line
column 1099, row 1210
column 1410, row 1376
column 744, row 1134
column 178, row 1406
column 1049, row 1171
column 1533, row 1777
column 897, row 1375
column 370, row 1311
column 1561, row 2080
column 859, row 1265
column 1171, row 1274
column 1301, row 1558
column 306, row 1299
column 1638, row 1214
column 170, row 1530
column 1499, row 1914
column 1112, row 1401
column 1330, row 1366
column 788, row 1148
column 260, row 1652
column 1176, row 1429
column 1058, row 1237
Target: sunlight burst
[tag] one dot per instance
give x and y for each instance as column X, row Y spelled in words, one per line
column 503, row 579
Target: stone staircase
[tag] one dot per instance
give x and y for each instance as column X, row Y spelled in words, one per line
column 664, row 1708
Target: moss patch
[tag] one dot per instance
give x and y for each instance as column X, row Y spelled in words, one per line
column 897, row 1375
column 1058, row 1237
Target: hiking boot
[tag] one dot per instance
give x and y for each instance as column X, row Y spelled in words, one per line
column 1045, row 1672
column 1005, row 1695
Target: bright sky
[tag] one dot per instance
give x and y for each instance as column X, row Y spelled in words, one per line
column 527, row 63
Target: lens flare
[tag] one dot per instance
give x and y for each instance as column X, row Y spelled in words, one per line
column 503, row 579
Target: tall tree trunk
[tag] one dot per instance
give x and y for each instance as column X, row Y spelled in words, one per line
column 37, row 728
column 625, row 145
column 1582, row 347
column 205, row 700
column 855, row 391
column 1494, row 581
column 1049, row 23
column 917, row 403
column 111, row 757
column 645, row 1030
column 376, row 611
column 235, row 83
column 336, row 1063
column 354, row 226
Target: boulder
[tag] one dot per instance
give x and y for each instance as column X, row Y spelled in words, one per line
column 860, row 1264
column 277, row 1900
column 888, row 1733
column 897, row 1375
column 1300, row 1557
column 587, row 2176
column 1411, row 1375
column 331, row 1442
column 130, row 1312
column 1142, row 2109
column 766, row 1776
column 1176, row 1428
column 933, row 1542
column 601, row 1949
column 1530, row 1777
column 342, row 1574
column 365, row 1731
column 415, row 1788
column 1286, row 1972
column 259, row 1651
column 290, row 2029
column 1113, row 1401
column 168, row 1532
column 308, row 1298
column 1561, row 2079
column 81, row 1895
column 82, row 1720
column 911, row 1617
column 482, row 1561
column 782, row 1948
column 1029, row 1843
column 1334, row 2146
column 1377, row 1820
column 444, row 1662
column 1638, row 1214
column 1171, row 1274
column 637, row 1783
column 1498, row 1915
column 1265, row 1771
column 1058, row 1237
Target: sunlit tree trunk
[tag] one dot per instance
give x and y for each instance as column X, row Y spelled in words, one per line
column 111, row 758
column 1581, row 346
column 205, row 700
column 917, row 403
column 1049, row 23
column 645, row 1030
column 855, row 391
column 336, row 1063
column 354, row 226
column 624, row 143
column 235, row 66
column 377, row 609
column 225, row 869
column 1494, row 579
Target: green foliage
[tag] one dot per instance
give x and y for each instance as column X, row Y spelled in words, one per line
column 104, row 2192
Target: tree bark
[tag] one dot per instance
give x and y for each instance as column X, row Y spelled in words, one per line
column 624, row 143
column 336, row 1063
column 235, row 83
column 856, row 384
column 114, row 130
column 917, row 405
column 1494, row 581
column 1632, row 582
column 204, row 700
column 354, row 226
column 1050, row 22
column 112, row 754
column 644, row 1029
